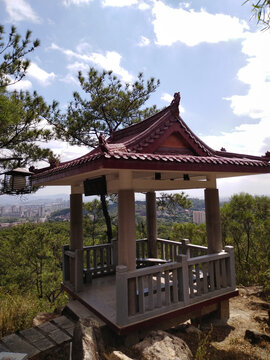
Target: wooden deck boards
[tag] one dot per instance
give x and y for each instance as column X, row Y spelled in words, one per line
column 100, row 294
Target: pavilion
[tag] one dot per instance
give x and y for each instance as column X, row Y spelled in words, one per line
column 132, row 283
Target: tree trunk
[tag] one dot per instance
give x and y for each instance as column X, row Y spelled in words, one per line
column 107, row 217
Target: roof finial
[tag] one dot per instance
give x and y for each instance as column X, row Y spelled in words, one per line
column 102, row 142
column 176, row 99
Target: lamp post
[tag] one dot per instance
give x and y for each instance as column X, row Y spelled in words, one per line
column 16, row 181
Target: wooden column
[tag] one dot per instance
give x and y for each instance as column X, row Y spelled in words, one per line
column 213, row 225
column 76, row 241
column 214, row 240
column 127, row 240
column 151, row 220
column 126, row 229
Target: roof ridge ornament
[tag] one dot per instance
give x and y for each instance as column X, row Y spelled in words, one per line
column 103, row 143
column 176, row 101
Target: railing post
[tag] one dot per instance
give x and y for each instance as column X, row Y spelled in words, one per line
column 78, row 283
column 114, row 255
column 231, row 267
column 185, row 247
column 66, row 264
column 121, row 295
column 183, row 280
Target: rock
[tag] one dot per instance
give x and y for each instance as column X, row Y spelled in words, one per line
column 192, row 329
column 87, row 342
column 255, row 337
column 118, row 355
column 160, row 345
column 43, row 317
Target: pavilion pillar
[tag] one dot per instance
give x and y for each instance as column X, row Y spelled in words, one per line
column 151, row 221
column 76, row 241
column 214, row 240
column 127, row 240
column 213, row 223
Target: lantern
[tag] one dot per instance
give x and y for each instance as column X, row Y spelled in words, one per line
column 17, row 181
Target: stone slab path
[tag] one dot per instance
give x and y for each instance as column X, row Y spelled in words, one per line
column 38, row 339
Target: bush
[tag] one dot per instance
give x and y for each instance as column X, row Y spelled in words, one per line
column 17, row 312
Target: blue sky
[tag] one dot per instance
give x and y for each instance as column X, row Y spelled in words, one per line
column 210, row 51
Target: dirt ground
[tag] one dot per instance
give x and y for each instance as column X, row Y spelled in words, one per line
column 247, row 312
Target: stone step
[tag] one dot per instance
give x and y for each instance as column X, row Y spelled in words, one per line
column 12, row 356
column 76, row 311
column 41, row 338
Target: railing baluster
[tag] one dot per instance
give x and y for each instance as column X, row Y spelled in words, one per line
column 143, row 250
column 88, row 259
column 167, row 288
column 166, row 252
column 212, row 275
column 217, row 273
column 175, row 286
column 198, row 280
column 95, row 258
column 109, row 256
column 150, row 292
column 141, row 294
column 102, row 257
column 205, row 278
column 171, row 251
column 162, row 251
column 223, row 273
column 191, row 284
column 159, row 300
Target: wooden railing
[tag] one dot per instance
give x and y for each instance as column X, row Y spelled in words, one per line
column 90, row 262
column 98, row 260
column 159, row 289
column 169, row 250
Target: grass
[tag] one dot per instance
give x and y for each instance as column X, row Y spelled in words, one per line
column 17, row 312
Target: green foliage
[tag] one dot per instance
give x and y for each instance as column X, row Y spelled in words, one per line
column 110, row 105
column 204, row 342
column 261, row 11
column 195, row 233
column 30, row 257
column 246, row 226
column 21, row 116
column 172, row 202
column 93, row 223
column 17, row 312
column 13, row 49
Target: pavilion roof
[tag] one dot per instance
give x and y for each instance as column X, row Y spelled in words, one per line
column 161, row 142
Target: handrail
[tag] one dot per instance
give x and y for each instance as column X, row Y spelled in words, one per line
column 155, row 290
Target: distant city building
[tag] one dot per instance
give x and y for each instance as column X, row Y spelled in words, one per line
column 198, row 217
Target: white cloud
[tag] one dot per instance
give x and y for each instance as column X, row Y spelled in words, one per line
column 110, row 61
column 39, row 74
column 75, row 2
column 20, row 85
column 20, row 10
column 143, row 6
column 144, row 41
column 194, row 27
column 119, row 3
column 256, row 74
column 168, row 99
column 244, row 139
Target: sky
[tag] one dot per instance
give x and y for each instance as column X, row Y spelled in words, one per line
column 213, row 52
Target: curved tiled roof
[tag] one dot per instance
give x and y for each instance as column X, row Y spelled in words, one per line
column 138, row 145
